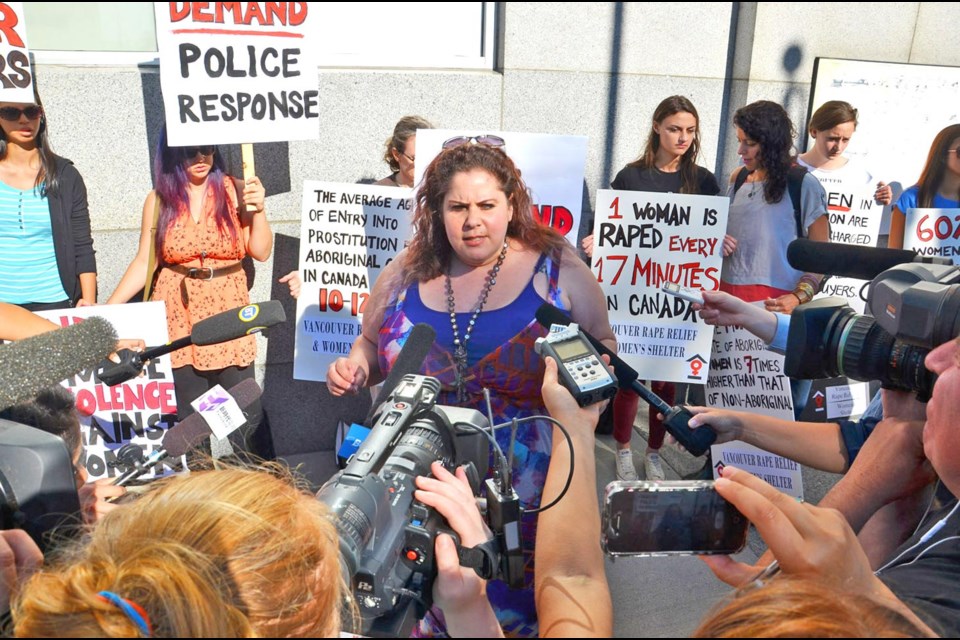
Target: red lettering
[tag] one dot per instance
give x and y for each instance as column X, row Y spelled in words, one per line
column 254, row 13
column 197, row 11
column 297, row 13
column 9, row 20
column 178, row 10
column 86, row 403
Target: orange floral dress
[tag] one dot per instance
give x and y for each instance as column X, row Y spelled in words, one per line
column 184, row 244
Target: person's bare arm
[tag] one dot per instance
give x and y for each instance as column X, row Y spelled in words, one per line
column 257, row 236
column 585, row 299
column 16, row 323
column 135, row 277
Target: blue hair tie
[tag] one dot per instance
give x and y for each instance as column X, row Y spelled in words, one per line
column 131, row 609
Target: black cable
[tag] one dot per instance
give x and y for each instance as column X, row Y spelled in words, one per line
column 566, row 435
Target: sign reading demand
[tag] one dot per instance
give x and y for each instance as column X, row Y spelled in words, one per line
column 236, row 72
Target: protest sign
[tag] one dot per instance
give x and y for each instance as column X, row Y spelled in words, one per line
column 16, row 76
column 933, row 233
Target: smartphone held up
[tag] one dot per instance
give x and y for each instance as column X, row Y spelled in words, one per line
column 670, row 518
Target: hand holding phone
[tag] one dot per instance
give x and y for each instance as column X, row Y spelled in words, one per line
column 670, row 518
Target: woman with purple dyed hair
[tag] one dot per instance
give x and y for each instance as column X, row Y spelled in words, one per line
column 206, row 223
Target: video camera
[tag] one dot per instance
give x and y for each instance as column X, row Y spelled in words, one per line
column 915, row 307
column 386, row 535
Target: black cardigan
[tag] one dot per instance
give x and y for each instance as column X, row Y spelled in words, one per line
column 70, row 219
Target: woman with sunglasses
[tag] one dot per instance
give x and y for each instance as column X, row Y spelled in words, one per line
column 938, row 186
column 206, row 224
column 401, row 150
column 46, row 250
column 478, row 268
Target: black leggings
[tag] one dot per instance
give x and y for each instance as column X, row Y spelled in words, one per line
column 191, row 383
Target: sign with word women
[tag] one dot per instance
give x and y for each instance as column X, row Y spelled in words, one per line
column 137, row 411
column 348, row 234
column 16, row 78
column 641, row 241
column 933, row 233
column 236, row 72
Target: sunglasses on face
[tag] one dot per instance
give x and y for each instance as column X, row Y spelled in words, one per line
column 12, row 114
column 192, row 152
column 488, row 140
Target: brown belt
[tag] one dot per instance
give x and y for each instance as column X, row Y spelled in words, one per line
column 204, row 273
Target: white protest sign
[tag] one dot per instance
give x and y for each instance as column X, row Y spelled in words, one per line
column 745, row 376
column 348, row 234
column 933, row 232
column 642, row 240
column 237, row 72
column 139, row 410
column 16, row 77
column 552, row 167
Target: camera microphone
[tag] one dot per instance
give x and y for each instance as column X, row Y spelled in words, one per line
column 409, row 360
column 675, row 419
column 30, row 365
column 850, row 261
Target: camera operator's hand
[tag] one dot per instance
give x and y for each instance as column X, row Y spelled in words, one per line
column 345, row 376
column 902, row 405
column 458, row 591
column 19, row 558
column 722, row 309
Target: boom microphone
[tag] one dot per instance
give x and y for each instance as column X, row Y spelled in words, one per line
column 675, row 419
column 192, row 431
column 30, row 365
column 850, row 261
column 409, row 360
column 223, row 327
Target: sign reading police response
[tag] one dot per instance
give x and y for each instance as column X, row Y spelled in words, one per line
column 236, row 72
column 348, row 234
column 16, row 78
column 642, row 240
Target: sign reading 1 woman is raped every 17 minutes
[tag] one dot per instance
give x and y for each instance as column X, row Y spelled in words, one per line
column 236, row 72
column 745, row 376
column 641, row 241
column 348, row 234
column 933, row 233
column 16, row 78
column 138, row 411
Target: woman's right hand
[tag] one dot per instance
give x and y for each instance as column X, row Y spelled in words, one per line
column 587, row 245
column 728, row 424
column 345, row 376
column 293, row 280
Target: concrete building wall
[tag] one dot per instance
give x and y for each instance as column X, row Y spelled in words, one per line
column 594, row 69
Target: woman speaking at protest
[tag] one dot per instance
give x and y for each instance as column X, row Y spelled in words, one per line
column 46, row 250
column 478, row 268
column 668, row 164
column 200, row 223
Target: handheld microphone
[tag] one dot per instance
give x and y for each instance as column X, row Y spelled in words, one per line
column 191, row 431
column 409, row 360
column 30, row 365
column 850, row 261
column 675, row 419
column 223, row 327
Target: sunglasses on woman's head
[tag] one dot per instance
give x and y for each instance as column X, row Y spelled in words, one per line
column 12, row 114
column 488, row 140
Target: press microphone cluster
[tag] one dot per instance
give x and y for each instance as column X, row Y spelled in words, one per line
column 223, row 327
column 850, row 261
column 675, row 419
column 30, row 365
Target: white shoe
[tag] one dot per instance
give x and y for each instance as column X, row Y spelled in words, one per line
column 652, row 466
column 625, row 468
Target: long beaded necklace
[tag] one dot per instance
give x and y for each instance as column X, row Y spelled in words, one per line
column 460, row 346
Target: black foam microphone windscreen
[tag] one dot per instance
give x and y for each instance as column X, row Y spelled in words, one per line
column 194, row 428
column 848, row 261
column 30, row 365
column 237, row 323
column 409, row 360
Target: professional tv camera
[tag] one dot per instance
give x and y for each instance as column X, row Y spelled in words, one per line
column 916, row 307
column 386, row 536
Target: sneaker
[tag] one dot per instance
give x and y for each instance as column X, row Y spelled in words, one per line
column 625, row 468
column 652, row 466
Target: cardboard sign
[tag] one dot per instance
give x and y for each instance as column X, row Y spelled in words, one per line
column 348, row 234
column 745, row 376
column 642, row 240
column 16, row 76
column 552, row 167
column 138, row 410
column 933, row 233
column 235, row 72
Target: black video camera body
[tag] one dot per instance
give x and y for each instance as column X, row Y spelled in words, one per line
column 915, row 307
column 386, row 536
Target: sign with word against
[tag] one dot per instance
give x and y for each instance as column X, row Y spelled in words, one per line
column 552, row 167
column 745, row 376
column 236, row 72
column 16, row 77
column 137, row 411
column 348, row 234
column 641, row 241
column 933, row 233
